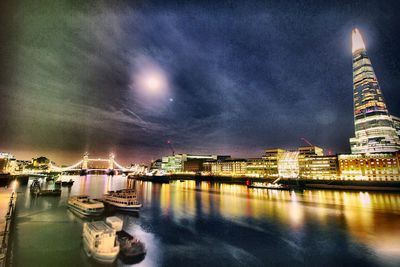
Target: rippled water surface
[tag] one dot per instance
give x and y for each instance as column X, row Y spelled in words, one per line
column 212, row 224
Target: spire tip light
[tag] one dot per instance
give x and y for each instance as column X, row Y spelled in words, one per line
column 357, row 40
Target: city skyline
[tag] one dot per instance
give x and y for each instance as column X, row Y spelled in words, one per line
column 78, row 87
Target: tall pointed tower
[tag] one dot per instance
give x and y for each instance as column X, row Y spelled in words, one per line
column 374, row 128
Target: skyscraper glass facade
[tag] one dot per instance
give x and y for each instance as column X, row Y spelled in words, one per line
column 374, row 128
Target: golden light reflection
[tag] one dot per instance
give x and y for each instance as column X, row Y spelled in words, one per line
column 165, row 200
column 370, row 218
column 14, row 185
column 83, row 182
column 108, row 183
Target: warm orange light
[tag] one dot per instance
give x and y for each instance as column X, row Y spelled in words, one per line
column 357, row 40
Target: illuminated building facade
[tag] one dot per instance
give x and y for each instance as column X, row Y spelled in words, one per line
column 374, row 127
column 396, row 123
column 8, row 163
column 319, row 167
column 176, row 163
column 288, row 164
column 226, row 167
column 155, row 165
column 256, row 167
column 304, row 154
column 308, row 162
column 375, row 167
column 138, row 168
column 271, row 159
column 313, row 164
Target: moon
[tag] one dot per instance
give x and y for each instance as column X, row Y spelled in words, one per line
column 150, row 79
column 153, row 82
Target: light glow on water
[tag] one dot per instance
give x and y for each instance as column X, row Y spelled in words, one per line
column 230, row 223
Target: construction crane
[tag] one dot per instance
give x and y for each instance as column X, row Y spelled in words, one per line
column 309, row 143
column 306, row 141
column 171, row 147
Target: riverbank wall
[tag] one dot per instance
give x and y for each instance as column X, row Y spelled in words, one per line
column 7, row 211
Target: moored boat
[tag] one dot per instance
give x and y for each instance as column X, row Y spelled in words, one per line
column 100, row 241
column 124, row 200
column 85, row 206
column 269, row 186
column 115, row 222
column 132, row 250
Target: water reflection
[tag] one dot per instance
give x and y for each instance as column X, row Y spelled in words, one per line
column 370, row 218
column 216, row 224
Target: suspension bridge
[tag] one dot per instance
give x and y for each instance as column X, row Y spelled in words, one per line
column 88, row 165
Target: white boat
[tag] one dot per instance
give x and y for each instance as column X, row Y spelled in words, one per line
column 123, row 200
column 100, row 242
column 131, row 249
column 85, row 206
column 269, row 186
column 115, row 223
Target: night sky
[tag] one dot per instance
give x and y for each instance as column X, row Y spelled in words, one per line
column 227, row 78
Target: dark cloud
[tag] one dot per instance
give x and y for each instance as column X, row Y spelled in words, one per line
column 242, row 76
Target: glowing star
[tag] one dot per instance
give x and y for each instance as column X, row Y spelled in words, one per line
column 357, row 41
column 171, row 100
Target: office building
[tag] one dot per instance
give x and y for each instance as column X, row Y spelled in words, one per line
column 371, row 167
column 374, row 127
column 185, row 163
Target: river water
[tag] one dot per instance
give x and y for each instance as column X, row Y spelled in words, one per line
column 212, row 224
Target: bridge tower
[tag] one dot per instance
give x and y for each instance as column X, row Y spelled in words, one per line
column 111, row 162
column 85, row 161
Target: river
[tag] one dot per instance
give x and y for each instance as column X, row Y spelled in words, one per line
column 185, row 223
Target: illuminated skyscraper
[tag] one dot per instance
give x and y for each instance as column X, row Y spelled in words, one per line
column 374, row 128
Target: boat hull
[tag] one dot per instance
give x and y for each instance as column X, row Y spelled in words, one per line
column 85, row 212
column 106, row 258
column 130, row 252
column 128, row 208
column 124, row 208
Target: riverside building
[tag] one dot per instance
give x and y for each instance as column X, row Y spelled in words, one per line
column 313, row 164
column 374, row 127
column 226, row 167
column 8, row 163
column 376, row 143
column 371, row 167
column 396, row 123
column 306, row 163
column 256, row 167
column 185, row 163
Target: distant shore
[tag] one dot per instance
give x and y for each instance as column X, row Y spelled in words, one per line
column 347, row 185
column 350, row 185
